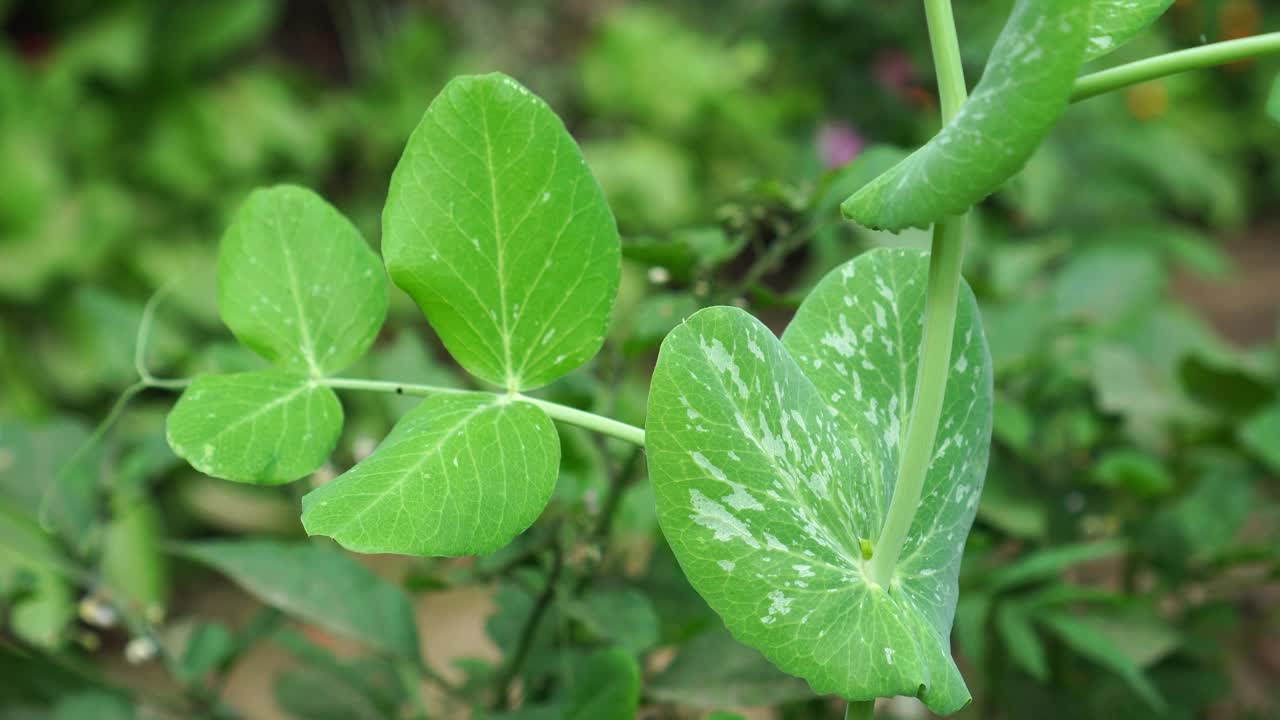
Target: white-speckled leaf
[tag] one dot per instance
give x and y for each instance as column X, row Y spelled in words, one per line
column 265, row 427
column 773, row 460
column 496, row 227
column 1115, row 22
column 1024, row 89
column 459, row 475
column 298, row 284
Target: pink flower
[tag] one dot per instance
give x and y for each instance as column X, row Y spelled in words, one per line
column 839, row 143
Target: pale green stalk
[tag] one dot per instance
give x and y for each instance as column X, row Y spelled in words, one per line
column 1173, row 63
column 556, row 411
column 941, row 299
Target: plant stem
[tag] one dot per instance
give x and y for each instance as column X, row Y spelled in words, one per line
column 588, row 420
column 1175, row 62
column 563, row 413
column 945, row 260
column 865, row 710
column 511, row 669
column 945, row 46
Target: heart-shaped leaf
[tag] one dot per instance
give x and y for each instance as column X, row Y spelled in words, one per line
column 461, row 474
column 298, row 284
column 773, row 463
column 498, row 230
column 1024, row 89
column 265, row 427
column 1114, row 22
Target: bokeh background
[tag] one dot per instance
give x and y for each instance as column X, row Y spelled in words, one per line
column 1128, row 541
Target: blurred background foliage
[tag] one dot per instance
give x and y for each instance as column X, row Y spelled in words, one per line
column 1126, row 558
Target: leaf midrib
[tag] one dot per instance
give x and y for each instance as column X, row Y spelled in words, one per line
column 513, row 382
column 413, row 469
column 308, row 345
column 262, row 410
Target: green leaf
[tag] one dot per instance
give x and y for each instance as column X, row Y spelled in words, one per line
column 1114, row 22
column 208, row 646
column 266, row 427
column 133, row 565
column 1273, row 99
column 604, row 685
column 1134, row 471
column 462, row 474
column 1260, row 435
column 1098, row 647
column 320, row 585
column 1020, row 639
column 327, row 688
column 773, row 461
column 625, row 617
column 1022, row 92
column 93, row 705
column 33, row 583
column 497, row 229
column 1046, row 564
column 199, row 34
column 297, row 282
column 713, row 670
column 35, row 476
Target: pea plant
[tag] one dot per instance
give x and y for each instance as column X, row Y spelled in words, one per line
column 816, row 488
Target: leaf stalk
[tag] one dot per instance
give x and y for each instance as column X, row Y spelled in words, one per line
column 563, row 413
column 1153, row 68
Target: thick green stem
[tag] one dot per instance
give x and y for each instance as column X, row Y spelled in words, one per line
column 941, row 300
column 942, row 297
column 1173, row 63
column 563, row 413
column 945, row 46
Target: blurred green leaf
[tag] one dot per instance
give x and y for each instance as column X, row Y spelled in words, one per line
column 34, row 578
column 1020, row 639
column 407, row 359
column 36, row 478
column 327, row 688
column 319, row 585
column 1049, row 563
column 1107, row 284
column 1134, row 471
column 1091, row 643
column 604, row 685
column 1204, row 523
column 134, row 567
column 205, row 648
column 1260, row 435
column 1228, row 384
column 624, row 617
column 685, row 253
column 93, row 706
column 655, row 317
column 714, row 670
column 650, row 184
column 190, row 34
